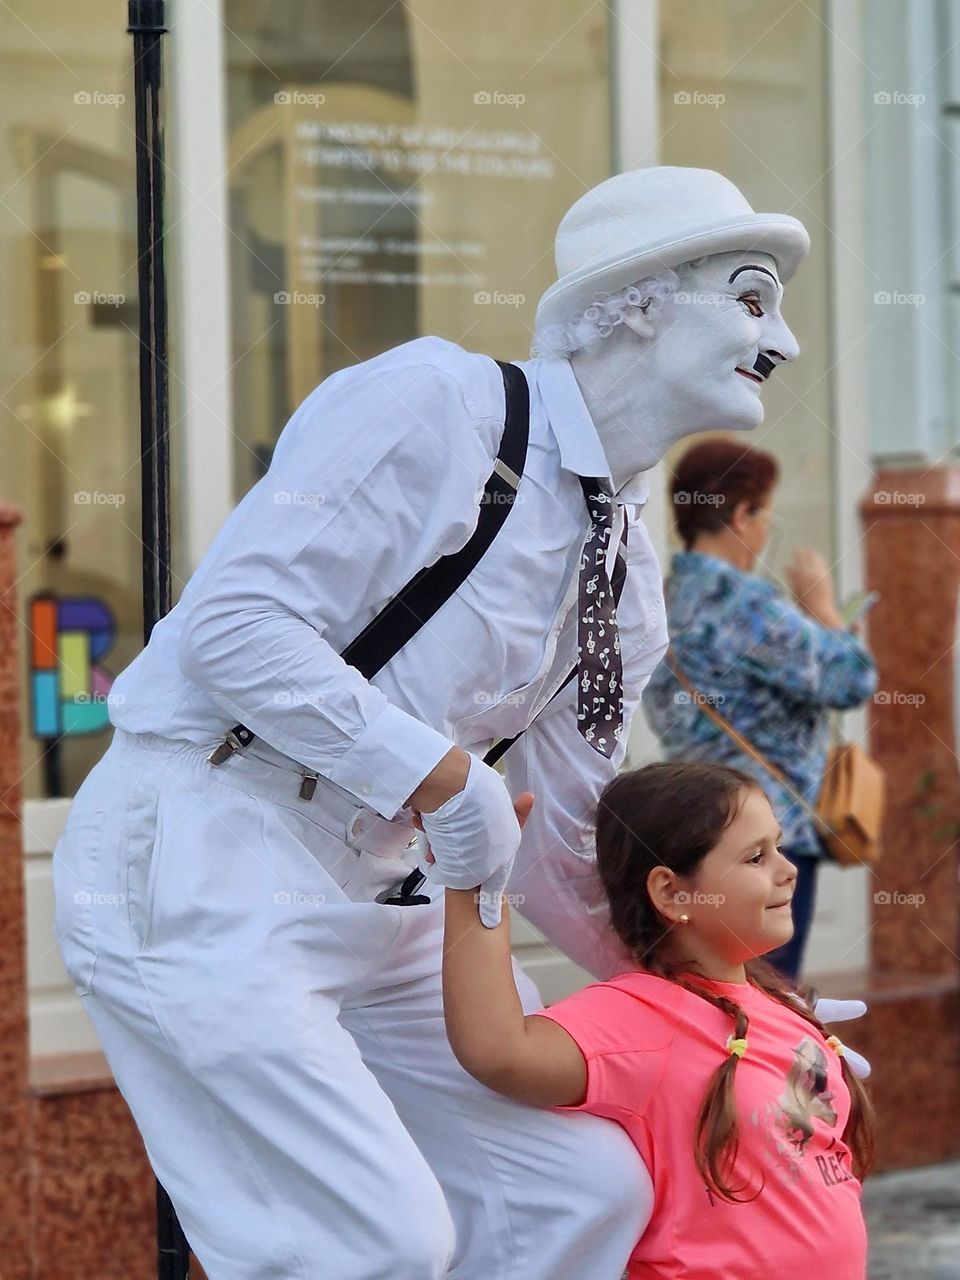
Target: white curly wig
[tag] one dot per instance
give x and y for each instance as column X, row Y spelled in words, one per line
column 559, row 341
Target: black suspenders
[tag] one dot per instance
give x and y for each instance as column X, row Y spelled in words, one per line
column 416, row 603
column 430, row 588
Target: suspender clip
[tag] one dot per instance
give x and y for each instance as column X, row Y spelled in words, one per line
column 309, row 785
column 405, row 894
column 237, row 738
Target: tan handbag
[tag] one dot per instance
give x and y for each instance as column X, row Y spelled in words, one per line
column 849, row 811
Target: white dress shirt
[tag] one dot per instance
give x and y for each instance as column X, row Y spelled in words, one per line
column 378, row 473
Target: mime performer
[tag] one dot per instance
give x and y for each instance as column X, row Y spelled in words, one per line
column 238, row 900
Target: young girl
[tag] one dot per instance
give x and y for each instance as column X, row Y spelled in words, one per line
column 754, row 1129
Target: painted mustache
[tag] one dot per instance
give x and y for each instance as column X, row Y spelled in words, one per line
column 764, row 366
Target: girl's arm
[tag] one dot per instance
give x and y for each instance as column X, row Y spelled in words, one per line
column 529, row 1059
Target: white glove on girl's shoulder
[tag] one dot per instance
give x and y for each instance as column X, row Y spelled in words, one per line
column 474, row 837
column 841, row 1011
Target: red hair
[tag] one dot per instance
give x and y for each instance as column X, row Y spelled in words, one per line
column 711, row 478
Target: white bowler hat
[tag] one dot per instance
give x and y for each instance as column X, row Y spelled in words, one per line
column 638, row 222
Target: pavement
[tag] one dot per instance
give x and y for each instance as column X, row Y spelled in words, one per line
column 913, row 1223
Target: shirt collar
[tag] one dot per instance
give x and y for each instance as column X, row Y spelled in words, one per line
column 580, row 448
column 702, row 563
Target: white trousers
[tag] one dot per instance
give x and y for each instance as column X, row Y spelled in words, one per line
column 279, row 1039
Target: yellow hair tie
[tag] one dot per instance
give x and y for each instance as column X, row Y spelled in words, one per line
column 836, row 1045
column 739, row 1047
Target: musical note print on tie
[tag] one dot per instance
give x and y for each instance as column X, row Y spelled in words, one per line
column 600, row 683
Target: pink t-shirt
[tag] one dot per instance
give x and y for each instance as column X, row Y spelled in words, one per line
column 651, row 1048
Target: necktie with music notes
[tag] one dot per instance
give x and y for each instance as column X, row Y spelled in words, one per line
column 600, row 675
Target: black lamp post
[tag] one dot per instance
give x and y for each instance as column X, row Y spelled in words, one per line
column 146, row 25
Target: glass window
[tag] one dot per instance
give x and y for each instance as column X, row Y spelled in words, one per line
column 397, row 170
column 69, row 424
column 742, row 91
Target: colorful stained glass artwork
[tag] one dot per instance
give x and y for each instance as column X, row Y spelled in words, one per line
column 68, row 685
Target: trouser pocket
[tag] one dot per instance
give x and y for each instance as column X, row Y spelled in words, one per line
column 141, row 860
column 80, row 900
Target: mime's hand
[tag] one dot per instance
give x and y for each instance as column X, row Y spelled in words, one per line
column 521, row 807
column 472, row 839
column 844, row 1011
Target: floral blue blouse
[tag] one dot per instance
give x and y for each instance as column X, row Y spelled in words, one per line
column 768, row 668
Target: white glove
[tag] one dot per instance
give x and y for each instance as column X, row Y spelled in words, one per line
column 474, row 837
column 843, row 1011
column 489, row 900
column 838, row 1010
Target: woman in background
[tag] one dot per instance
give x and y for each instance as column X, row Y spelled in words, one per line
column 770, row 666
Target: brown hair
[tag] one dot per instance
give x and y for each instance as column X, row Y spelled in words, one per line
column 711, row 478
column 672, row 814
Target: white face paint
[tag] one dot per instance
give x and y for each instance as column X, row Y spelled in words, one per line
column 699, row 363
column 719, row 339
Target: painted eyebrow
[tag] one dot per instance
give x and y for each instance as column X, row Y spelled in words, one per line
column 756, row 267
column 751, row 847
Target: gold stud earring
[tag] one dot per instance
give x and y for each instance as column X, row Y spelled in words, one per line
column 684, row 919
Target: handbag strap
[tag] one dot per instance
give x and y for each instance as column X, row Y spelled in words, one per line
column 699, row 700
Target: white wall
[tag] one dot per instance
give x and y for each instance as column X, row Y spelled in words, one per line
column 57, row 1021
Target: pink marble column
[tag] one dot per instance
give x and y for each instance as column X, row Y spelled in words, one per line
column 913, row 560
column 911, row 1033
column 76, row 1191
column 15, row 1172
